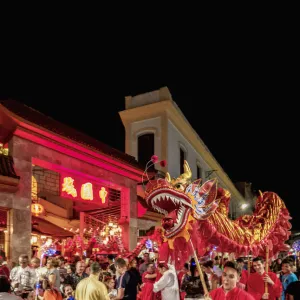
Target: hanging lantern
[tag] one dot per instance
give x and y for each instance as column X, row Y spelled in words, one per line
column 37, row 209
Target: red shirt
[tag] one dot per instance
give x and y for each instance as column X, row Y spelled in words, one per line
column 235, row 294
column 256, row 286
column 244, row 276
column 4, row 271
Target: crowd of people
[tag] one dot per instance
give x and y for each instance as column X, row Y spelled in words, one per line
column 143, row 278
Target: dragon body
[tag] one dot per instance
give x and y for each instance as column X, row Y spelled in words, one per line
column 200, row 213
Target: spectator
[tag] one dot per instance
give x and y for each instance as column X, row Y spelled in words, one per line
column 91, row 288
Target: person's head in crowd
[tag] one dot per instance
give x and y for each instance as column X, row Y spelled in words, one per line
column 104, row 266
column 90, row 261
column 279, row 261
column 121, row 265
column 70, row 269
column 150, row 268
column 230, row 276
column 50, row 263
column 208, row 267
column 23, row 260
column 217, row 260
column 240, row 264
column 68, row 290
column 80, row 267
column 133, row 263
column 46, row 285
column 61, row 261
column 95, row 269
column 146, row 257
column 1, row 260
column 109, row 283
column 258, row 264
column 185, row 268
column 162, row 267
column 35, row 262
column 110, row 258
column 127, row 261
column 287, row 266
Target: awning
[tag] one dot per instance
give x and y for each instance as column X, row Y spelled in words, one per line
column 44, row 227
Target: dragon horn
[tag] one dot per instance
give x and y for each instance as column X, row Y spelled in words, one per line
column 187, row 170
column 168, row 177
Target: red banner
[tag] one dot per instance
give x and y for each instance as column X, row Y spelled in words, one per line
column 77, row 188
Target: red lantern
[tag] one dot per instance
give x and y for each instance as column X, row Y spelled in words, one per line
column 37, row 209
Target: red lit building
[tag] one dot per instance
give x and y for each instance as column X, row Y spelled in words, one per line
column 58, row 182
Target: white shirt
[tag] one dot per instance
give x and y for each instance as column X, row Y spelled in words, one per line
column 24, row 276
column 168, row 285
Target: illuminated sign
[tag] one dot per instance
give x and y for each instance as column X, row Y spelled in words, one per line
column 78, row 189
column 68, row 187
column 103, row 194
column 87, row 191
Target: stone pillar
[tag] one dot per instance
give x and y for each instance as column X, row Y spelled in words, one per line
column 133, row 226
column 124, row 218
column 128, row 219
column 21, row 233
column 20, row 214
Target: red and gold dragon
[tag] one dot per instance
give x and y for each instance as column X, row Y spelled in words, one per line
column 200, row 213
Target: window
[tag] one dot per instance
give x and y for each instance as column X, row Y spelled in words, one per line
column 114, row 195
column 199, row 172
column 145, row 148
column 182, row 158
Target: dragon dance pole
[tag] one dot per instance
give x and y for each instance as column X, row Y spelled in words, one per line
column 267, row 267
column 249, row 264
column 206, row 294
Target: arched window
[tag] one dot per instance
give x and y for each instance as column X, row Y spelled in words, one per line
column 145, row 148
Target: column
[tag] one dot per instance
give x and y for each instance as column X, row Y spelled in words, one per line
column 20, row 214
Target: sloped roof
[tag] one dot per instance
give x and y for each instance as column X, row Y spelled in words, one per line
column 37, row 118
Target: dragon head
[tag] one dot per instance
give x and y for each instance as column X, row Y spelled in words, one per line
column 180, row 200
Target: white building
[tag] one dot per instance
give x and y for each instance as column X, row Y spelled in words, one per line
column 154, row 124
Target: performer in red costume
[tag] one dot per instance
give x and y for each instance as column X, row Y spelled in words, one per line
column 149, row 278
column 256, row 282
column 229, row 290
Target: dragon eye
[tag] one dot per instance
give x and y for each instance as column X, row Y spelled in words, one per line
column 178, row 185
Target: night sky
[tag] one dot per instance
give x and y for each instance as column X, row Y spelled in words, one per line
column 244, row 112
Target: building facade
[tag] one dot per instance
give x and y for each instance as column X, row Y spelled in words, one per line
column 154, row 124
column 55, row 180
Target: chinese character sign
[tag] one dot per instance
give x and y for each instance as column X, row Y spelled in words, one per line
column 103, row 194
column 87, row 191
column 68, row 187
column 79, row 189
